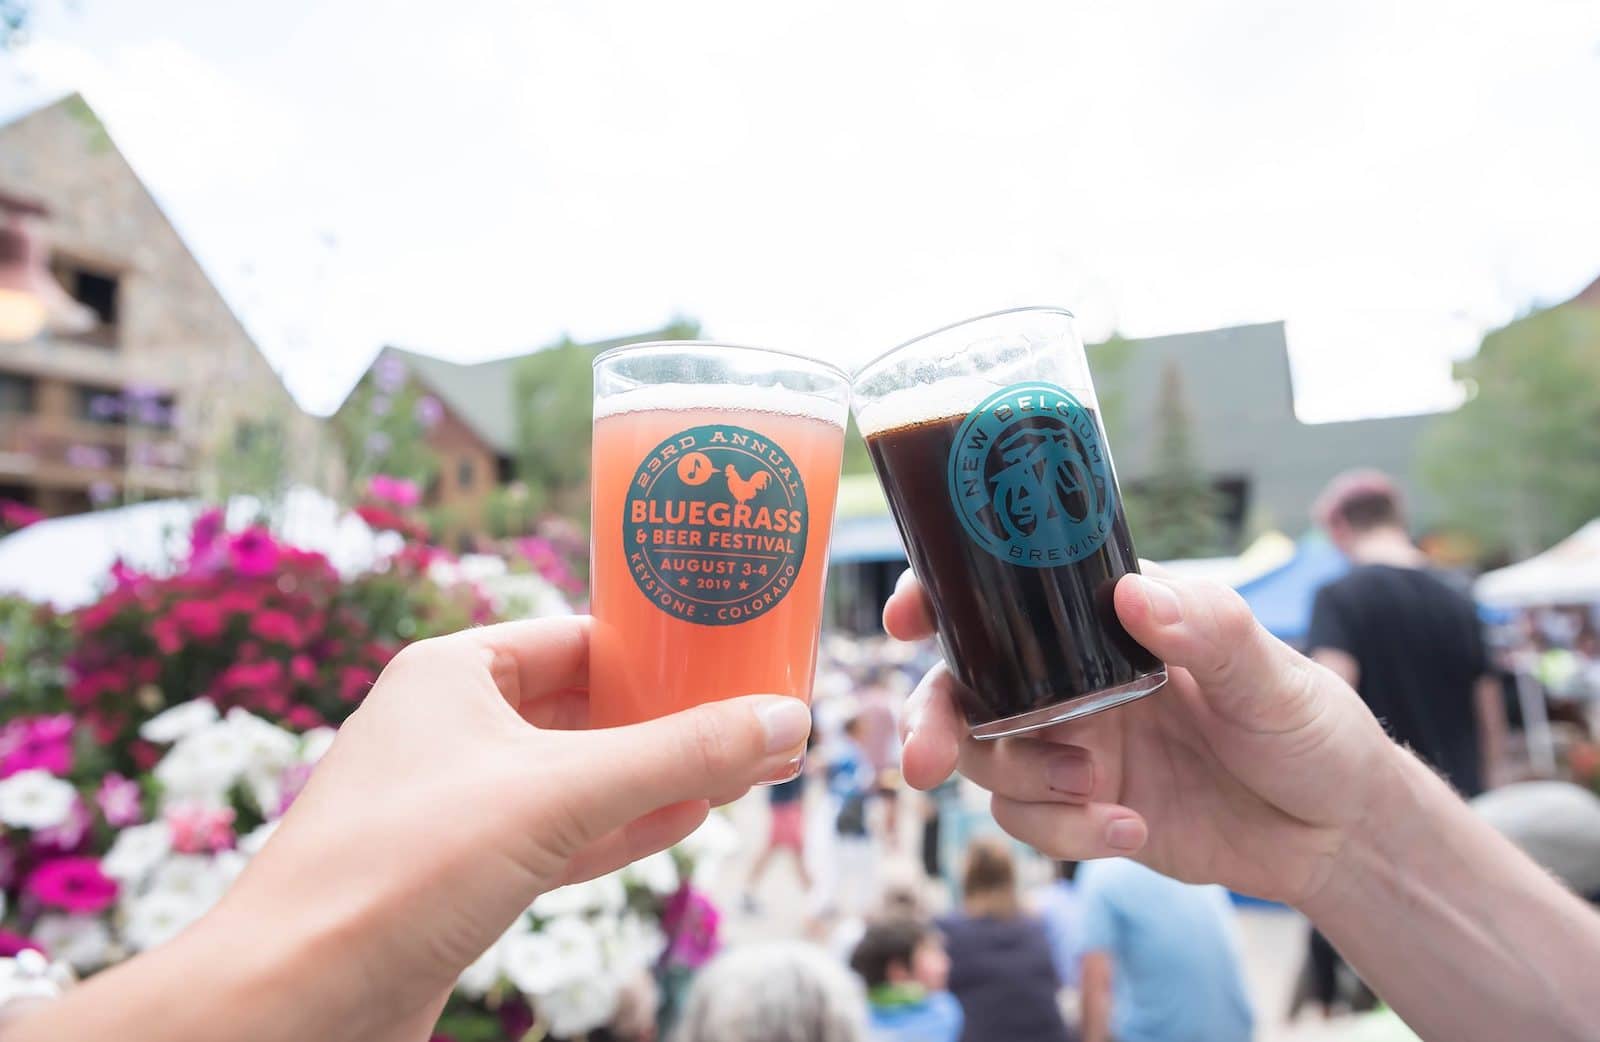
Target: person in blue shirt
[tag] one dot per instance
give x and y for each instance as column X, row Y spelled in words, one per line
column 1161, row 962
column 905, row 968
column 1062, row 911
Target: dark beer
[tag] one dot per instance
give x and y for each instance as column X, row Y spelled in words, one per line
column 1015, row 528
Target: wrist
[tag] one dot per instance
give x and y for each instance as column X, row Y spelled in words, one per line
column 1385, row 826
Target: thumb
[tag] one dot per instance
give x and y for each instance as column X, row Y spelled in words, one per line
column 1245, row 672
column 711, row 749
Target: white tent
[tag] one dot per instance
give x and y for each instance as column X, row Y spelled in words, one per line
column 1567, row 573
column 67, row 561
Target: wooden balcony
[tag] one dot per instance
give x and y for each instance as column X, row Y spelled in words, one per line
column 66, row 453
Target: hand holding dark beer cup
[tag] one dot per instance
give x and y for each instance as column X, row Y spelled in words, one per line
column 1249, row 770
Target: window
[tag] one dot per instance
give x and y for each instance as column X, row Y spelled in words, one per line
column 16, row 394
column 98, row 290
column 137, row 407
column 464, row 473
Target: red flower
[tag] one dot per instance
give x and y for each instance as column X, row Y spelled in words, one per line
column 248, row 676
column 75, row 884
column 202, row 620
column 354, row 682
column 303, row 669
column 277, row 627
column 303, row 718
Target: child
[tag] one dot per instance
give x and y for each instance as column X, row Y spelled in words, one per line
column 905, row 968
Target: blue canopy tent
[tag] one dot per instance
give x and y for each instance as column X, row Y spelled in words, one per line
column 1281, row 599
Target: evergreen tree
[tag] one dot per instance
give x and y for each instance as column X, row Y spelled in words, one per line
column 1176, row 511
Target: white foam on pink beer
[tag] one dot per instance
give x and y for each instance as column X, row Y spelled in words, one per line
column 782, row 401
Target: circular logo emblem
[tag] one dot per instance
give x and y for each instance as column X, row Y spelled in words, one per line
column 1030, row 478
column 715, row 524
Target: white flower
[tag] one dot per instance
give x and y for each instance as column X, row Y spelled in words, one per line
column 657, row 873
column 180, row 721
column 31, row 976
column 710, row 845
column 158, row 917
column 80, row 940
column 228, row 864
column 35, row 799
column 564, row 951
column 631, row 943
column 204, row 765
column 487, row 969
column 605, row 894
column 315, row 743
column 268, row 746
column 252, row 842
column 193, row 877
column 136, row 851
column 266, row 790
column 580, row 1007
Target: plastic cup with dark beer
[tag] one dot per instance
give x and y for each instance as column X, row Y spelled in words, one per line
column 988, row 439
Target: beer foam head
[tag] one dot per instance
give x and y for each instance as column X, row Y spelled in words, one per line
column 914, row 405
column 782, row 401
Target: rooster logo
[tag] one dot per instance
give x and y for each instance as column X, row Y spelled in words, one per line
column 745, row 489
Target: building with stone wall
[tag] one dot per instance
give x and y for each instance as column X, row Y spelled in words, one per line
column 167, row 383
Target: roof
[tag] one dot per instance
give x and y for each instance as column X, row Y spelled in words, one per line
column 482, row 394
column 1237, row 385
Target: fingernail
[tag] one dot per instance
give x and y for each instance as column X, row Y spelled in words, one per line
column 1165, row 607
column 785, row 721
column 1125, row 834
column 1070, row 773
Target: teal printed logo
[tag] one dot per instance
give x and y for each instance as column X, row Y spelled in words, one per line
column 715, row 525
column 1030, row 477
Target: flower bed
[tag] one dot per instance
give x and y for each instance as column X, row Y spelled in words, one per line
column 150, row 742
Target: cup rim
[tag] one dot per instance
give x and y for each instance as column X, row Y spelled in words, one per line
column 1051, row 309
column 669, row 346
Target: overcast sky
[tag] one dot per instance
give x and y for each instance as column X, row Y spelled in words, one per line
column 479, row 177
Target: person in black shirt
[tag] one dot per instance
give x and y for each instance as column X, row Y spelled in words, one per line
column 1404, row 636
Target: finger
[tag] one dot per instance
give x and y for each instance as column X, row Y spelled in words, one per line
column 908, row 616
column 1032, row 770
column 1072, row 832
column 934, row 731
column 532, row 657
column 700, row 753
column 639, row 838
column 1207, row 629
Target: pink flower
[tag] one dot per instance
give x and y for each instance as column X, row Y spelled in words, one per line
column 120, row 801
column 122, row 575
column 41, row 742
column 203, row 535
column 74, row 884
column 198, row 829
column 13, row 943
column 277, row 627
column 402, row 492
column 303, row 668
column 253, row 552
column 14, row 515
column 294, row 781
column 200, row 619
column 354, row 682
column 691, row 922
column 67, row 837
column 428, row 411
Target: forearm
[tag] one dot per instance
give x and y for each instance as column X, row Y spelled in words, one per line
column 228, row 978
column 1454, row 927
column 1095, row 979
